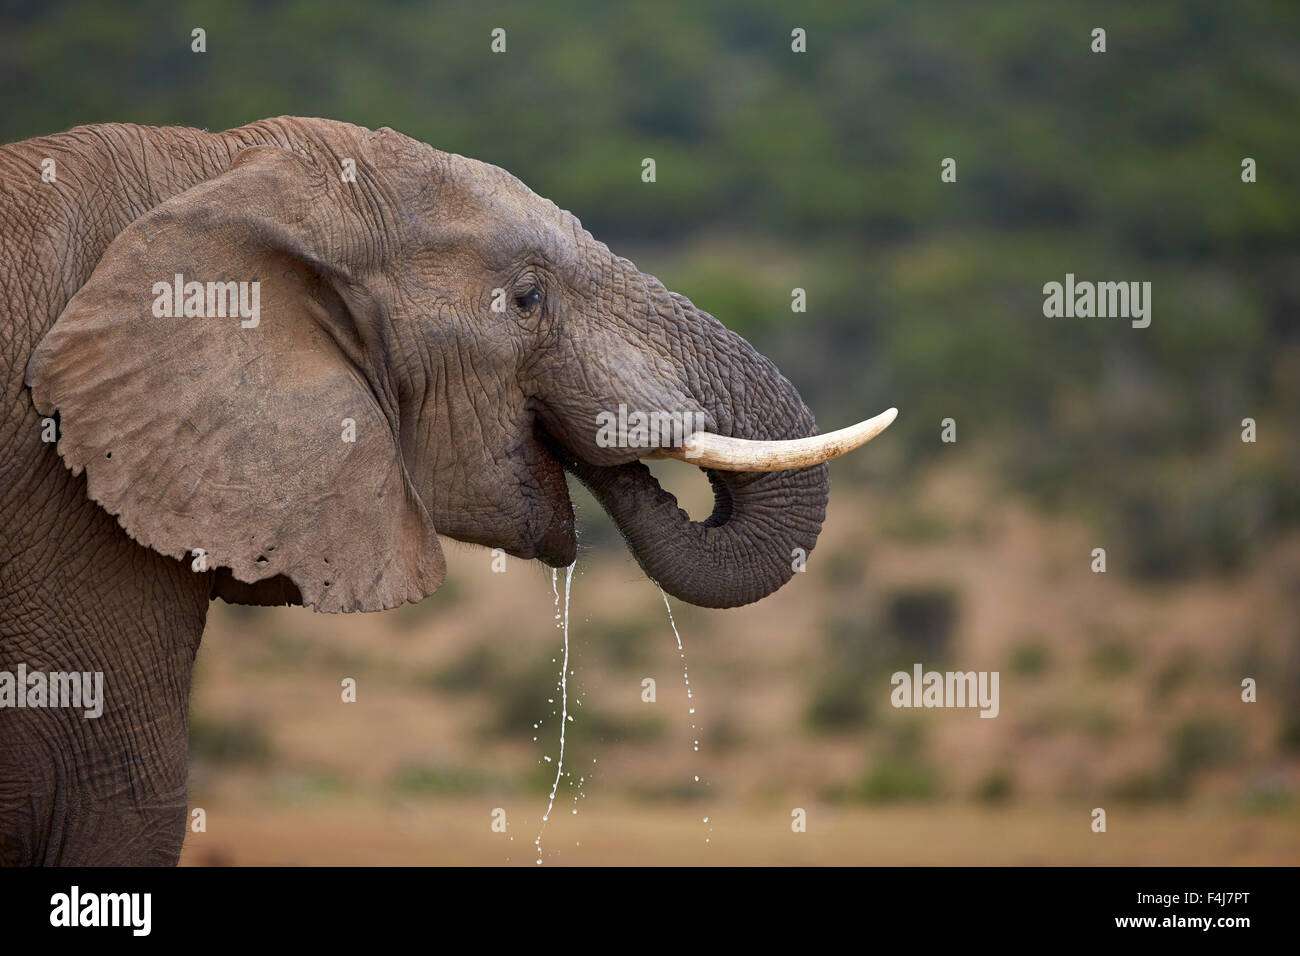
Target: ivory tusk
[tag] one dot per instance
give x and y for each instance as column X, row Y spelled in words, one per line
column 742, row 454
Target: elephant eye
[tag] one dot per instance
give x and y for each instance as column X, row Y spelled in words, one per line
column 530, row 299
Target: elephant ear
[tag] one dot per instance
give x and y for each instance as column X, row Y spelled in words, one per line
column 260, row 440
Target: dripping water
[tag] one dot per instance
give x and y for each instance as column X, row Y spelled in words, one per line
column 690, row 694
column 564, row 693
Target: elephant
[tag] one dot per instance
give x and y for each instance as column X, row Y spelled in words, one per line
column 271, row 365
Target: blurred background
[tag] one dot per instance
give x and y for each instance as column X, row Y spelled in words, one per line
column 820, row 171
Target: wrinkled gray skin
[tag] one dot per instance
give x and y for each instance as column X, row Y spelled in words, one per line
column 196, row 433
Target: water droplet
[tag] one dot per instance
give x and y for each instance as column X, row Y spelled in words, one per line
column 564, row 690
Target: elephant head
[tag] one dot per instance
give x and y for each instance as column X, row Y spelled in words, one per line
column 426, row 344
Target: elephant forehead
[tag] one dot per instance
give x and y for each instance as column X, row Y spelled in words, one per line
column 485, row 205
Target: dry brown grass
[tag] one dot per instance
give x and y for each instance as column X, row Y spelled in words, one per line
column 1127, row 670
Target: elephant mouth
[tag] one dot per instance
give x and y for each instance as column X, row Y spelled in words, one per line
column 558, row 549
column 730, row 464
column 769, row 504
column 556, row 543
column 599, row 475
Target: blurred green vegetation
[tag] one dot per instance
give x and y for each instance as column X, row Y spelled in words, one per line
column 1031, row 657
column 1196, row 745
column 997, row 788
column 821, row 171
column 230, row 743
column 437, row 780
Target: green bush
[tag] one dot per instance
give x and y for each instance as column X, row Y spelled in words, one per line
column 996, row 788
column 230, row 743
column 1205, row 742
column 838, row 704
column 1030, row 657
column 896, row 779
column 440, row 780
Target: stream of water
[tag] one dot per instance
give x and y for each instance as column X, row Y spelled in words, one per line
column 562, row 622
column 690, row 695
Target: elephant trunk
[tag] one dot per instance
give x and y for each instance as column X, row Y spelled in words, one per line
column 763, row 523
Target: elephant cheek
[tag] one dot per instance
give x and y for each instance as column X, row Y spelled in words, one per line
column 523, row 508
